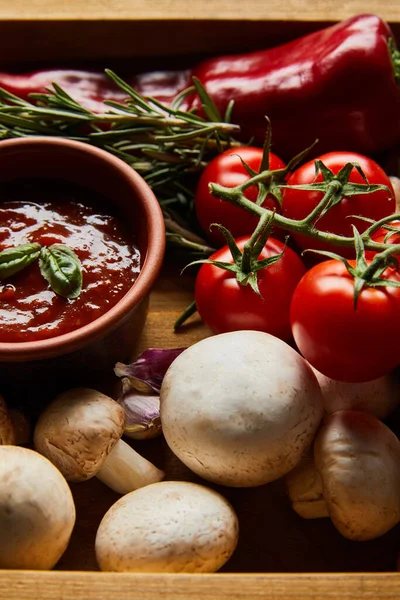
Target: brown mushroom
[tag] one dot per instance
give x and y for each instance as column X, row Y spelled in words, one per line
column 7, row 433
column 80, row 433
column 358, row 460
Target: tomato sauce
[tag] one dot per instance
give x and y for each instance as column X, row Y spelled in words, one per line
column 57, row 212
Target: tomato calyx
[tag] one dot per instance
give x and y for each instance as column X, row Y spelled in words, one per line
column 271, row 182
column 246, row 263
column 335, row 187
column 367, row 274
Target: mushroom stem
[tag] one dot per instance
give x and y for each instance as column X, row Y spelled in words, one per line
column 305, row 489
column 124, row 470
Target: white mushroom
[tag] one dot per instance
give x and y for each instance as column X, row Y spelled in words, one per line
column 358, row 460
column 240, row 408
column 7, row 433
column 80, row 433
column 395, row 181
column 167, row 527
column 378, row 397
column 305, row 489
column 37, row 512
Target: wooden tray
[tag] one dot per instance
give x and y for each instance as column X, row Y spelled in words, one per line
column 279, row 556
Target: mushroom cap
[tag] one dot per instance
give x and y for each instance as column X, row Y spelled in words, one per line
column 358, row 460
column 37, row 512
column 240, row 408
column 167, row 527
column 7, row 433
column 78, row 430
column 378, row 397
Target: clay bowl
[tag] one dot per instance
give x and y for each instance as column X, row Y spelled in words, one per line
column 31, row 372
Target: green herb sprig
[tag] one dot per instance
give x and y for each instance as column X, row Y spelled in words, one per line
column 164, row 143
column 59, row 265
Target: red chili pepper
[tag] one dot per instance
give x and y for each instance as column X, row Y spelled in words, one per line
column 337, row 84
column 92, row 88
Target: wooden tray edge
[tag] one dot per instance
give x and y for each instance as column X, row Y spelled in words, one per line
column 51, row 585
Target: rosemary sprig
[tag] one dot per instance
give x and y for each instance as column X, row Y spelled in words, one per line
column 141, row 125
column 163, row 143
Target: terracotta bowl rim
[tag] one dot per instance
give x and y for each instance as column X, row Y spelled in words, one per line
column 97, row 329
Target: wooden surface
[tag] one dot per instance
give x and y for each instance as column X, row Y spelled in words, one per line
column 301, row 10
column 172, row 294
column 279, row 555
column 124, row 586
column 173, row 32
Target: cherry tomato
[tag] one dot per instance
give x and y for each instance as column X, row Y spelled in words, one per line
column 380, row 236
column 227, row 170
column 341, row 342
column 226, row 305
column 297, row 204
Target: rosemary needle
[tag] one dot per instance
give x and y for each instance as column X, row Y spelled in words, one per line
column 163, row 143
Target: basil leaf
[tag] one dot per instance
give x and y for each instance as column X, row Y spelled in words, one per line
column 17, row 258
column 62, row 269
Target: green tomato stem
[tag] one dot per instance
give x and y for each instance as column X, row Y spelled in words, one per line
column 263, row 227
column 235, row 196
column 188, row 312
column 333, row 188
column 379, row 261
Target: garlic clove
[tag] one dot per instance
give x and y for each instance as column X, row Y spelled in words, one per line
column 142, row 412
column 149, row 368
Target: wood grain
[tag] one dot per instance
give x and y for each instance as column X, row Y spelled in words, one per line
column 301, row 10
column 138, row 36
column 108, row 586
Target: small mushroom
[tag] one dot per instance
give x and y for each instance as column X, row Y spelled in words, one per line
column 7, row 433
column 167, row 527
column 80, row 433
column 358, row 460
column 37, row 512
column 305, row 489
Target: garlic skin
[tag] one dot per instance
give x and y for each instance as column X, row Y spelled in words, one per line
column 149, row 368
column 142, row 412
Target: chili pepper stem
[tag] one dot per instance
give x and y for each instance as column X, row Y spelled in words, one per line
column 395, row 58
